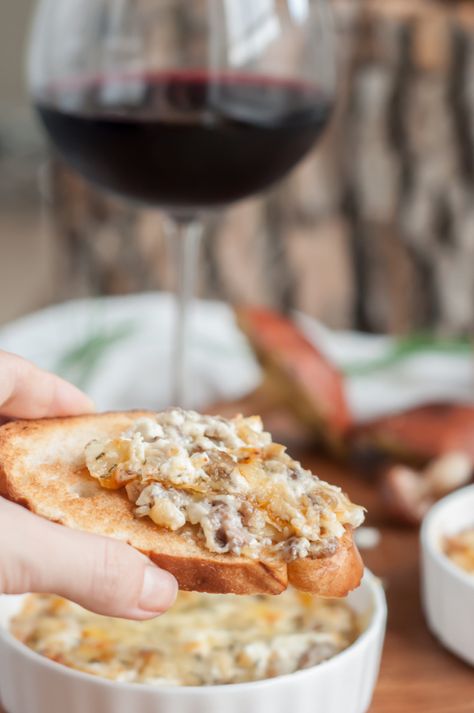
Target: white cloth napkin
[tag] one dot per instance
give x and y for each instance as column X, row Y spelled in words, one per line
column 132, row 371
column 424, row 378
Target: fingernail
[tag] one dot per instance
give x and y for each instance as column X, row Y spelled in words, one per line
column 159, row 590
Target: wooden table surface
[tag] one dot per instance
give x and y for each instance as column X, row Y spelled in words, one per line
column 417, row 675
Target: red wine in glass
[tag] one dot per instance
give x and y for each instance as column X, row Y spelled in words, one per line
column 184, row 140
column 183, row 105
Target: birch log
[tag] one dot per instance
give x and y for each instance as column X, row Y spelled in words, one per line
column 375, row 230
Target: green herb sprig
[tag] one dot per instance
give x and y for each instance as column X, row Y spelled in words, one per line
column 79, row 362
column 406, row 347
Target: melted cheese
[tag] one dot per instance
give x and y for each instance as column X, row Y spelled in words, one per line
column 202, row 640
column 245, row 494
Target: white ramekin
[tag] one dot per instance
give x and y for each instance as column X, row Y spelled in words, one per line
column 448, row 591
column 30, row 682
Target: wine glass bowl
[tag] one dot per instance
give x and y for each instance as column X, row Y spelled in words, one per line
column 186, row 106
column 190, row 141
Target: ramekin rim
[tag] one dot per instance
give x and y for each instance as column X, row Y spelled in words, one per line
column 376, row 623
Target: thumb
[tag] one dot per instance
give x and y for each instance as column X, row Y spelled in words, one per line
column 101, row 574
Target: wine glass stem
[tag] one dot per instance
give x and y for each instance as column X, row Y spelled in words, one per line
column 186, row 239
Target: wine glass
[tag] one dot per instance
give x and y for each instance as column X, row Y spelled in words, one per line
column 186, row 105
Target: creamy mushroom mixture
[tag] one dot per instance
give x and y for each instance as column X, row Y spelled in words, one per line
column 205, row 639
column 243, row 493
column 460, row 549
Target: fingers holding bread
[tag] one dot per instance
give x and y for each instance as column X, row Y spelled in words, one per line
column 213, row 501
column 102, row 574
column 29, row 392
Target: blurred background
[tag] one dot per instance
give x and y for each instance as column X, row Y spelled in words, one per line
column 373, row 231
column 367, row 247
column 25, row 264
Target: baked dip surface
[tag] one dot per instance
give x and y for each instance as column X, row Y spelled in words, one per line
column 203, row 640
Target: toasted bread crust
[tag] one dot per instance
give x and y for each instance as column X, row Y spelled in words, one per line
column 333, row 576
column 42, row 467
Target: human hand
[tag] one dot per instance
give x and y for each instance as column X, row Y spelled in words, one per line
column 101, row 574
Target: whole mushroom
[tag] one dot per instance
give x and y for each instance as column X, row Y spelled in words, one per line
column 408, row 494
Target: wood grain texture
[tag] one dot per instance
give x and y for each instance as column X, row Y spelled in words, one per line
column 417, row 675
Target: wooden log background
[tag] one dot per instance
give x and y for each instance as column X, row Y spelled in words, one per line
column 374, row 231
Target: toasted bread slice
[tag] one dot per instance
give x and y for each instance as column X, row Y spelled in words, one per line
column 42, row 467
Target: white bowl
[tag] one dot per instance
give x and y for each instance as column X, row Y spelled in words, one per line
column 344, row 684
column 448, row 591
